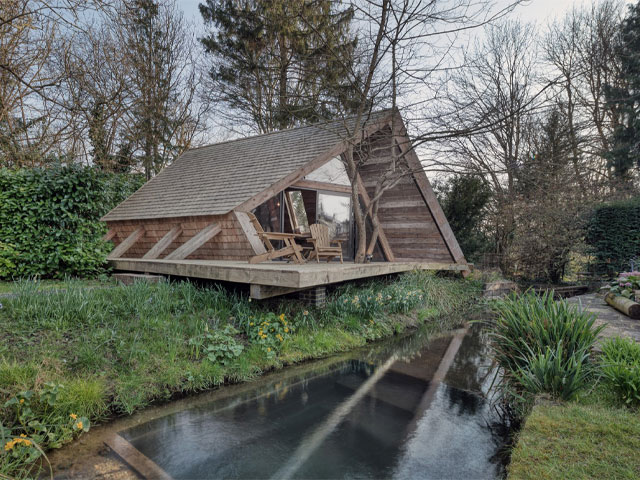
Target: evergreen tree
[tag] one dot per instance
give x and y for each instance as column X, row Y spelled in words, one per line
column 279, row 62
column 161, row 82
column 464, row 200
column 624, row 155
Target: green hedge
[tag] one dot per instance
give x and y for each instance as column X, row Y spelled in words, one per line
column 613, row 235
column 49, row 219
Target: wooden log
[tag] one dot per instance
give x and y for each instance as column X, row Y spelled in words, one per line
column 624, row 305
column 195, row 242
column 127, row 243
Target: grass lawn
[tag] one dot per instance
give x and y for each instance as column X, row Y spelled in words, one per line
column 591, row 437
column 10, row 287
column 79, row 355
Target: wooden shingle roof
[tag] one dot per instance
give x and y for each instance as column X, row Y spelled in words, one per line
column 215, row 179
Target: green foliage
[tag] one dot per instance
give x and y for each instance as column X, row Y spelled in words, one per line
column 624, row 154
column 31, row 422
column 464, row 200
column 554, row 373
column 269, row 331
column 543, row 345
column 219, row 346
column 8, row 255
column 625, row 284
column 49, row 219
column 262, row 50
column 621, row 367
column 613, row 235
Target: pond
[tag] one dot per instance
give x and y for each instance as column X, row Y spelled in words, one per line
column 410, row 408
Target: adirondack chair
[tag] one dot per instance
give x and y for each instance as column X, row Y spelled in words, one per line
column 322, row 247
column 291, row 250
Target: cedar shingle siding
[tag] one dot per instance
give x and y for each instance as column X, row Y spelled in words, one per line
column 205, row 185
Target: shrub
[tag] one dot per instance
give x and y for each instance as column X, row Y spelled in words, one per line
column 219, row 346
column 621, row 367
column 33, row 421
column 49, row 219
column 553, row 373
column 613, row 235
column 626, row 283
column 543, row 345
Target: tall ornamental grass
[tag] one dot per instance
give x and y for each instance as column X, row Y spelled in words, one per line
column 621, row 369
column 543, row 345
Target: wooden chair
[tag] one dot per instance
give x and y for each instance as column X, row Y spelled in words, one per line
column 322, row 245
column 291, row 250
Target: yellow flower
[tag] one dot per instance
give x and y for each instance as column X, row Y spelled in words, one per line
column 79, row 425
column 286, row 329
column 73, row 416
column 282, row 316
column 22, row 400
column 306, row 312
column 23, row 435
column 26, row 443
column 9, row 445
column 268, row 349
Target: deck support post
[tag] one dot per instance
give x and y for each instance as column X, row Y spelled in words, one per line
column 316, row 296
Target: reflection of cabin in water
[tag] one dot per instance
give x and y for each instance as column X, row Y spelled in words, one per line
column 192, row 219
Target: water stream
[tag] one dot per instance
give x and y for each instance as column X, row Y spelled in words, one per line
column 409, row 408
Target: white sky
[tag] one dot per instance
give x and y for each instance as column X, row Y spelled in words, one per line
column 539, row 11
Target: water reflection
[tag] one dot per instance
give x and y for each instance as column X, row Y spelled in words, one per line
column 408, row 410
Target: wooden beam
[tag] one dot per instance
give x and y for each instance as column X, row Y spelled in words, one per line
column 250, row 232
column 109, row 235
column 306, row 169
column 313, row 185
column 135, row 458
column 382, row 238
column 199, row 239
column 427, row 192
column 163, row 243
column 127, row 243
column 260, row 292
column 280, row 274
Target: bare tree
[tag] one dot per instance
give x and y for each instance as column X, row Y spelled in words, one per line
column 580, row 49
column 406, row 56
column 494, row 99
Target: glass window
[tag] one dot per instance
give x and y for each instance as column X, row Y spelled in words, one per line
column 334, row 211
column 297, row 211
column 331, row 172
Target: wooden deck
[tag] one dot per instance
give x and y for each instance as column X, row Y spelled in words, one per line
column 273, row 278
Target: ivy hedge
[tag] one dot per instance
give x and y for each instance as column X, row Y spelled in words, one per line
column 49, row 219
column 613, row 235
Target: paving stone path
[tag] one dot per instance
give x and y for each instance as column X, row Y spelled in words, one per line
column 618, row 324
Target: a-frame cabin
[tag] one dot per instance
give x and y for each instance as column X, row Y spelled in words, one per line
column 194, row 218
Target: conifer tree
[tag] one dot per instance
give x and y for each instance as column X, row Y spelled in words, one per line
column 624, row 155
column 278, row 63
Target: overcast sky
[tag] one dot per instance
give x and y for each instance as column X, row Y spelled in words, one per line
column 539, row 11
